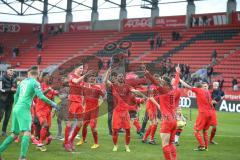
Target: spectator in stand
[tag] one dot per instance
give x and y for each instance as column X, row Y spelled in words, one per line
column 158, row 41
column 209, row 73
column 187, row 70
column 60, row 29
column 40, row 37
column 6, row 100
column 173, row 35
column 1, row 49
column 205, row 21
column 214, row 57
column 14, row 53
column 221, row 82
column 235, row 84
column 152, row 43
column 39, row 46
column 39, row 60
column 51, row 30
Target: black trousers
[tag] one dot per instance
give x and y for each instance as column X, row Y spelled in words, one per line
column 110, row 113
column 5, row 111
column 144, row 123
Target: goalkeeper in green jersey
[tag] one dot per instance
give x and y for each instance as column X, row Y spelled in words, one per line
column 21, row 116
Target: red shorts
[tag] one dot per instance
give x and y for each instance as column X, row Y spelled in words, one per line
column 92, row 114
column 168, row 126
column 214, row 118
column 121, row 119
column 75, row 110
column 203, row 121
column 44, row 117
column 152, row 114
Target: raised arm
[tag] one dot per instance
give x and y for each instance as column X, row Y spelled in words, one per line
column 137, row 92
column 185, row 84
column 151, row 78
column 177, row 77
column 106, row 78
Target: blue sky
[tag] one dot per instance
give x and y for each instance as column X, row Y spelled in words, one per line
column 84, row 14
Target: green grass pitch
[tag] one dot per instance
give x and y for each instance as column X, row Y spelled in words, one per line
column 228, row 137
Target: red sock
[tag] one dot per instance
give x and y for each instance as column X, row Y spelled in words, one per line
column 43, row 134
column 173, row 151
column 167, row 152
column 153, row 131
column 84, row 133
column 205, row 137
column 74, row 134
column 199, row 138
column 213, row 132
column 67, row 131
column 95, row 136
column 115, row 136
column 147, row 133
column 136, row 123
column 127, row 136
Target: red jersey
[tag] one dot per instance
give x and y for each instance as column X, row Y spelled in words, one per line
column 152, row 92
column 91, row 95
column 121, row 94
column 177, row 96
column 41, row 105
column 75, row 90
column 135, row 104
column 204, row 100
column 168, row 105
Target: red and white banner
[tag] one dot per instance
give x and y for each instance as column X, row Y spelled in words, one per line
column 137, row 24
column 235, row 17
column 79, row 26
column 18, row 27
column 171, row 21
column 210, row 19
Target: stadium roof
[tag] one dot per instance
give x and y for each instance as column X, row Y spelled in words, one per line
column 31, row 10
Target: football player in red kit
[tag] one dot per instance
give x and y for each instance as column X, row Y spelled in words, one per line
column 151, row 109
column 91, row 93
column 133, row 111
column 76, row 106
column 204, row 118
column 121, row 119
column 43, row 113
column 167, row 98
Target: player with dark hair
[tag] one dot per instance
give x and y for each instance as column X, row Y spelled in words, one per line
column 91, row 93
column 167, row 98
column 151, row 109
column 21, row 118
column 217, row 96
column 43, row 112
column 121, row 118
column 76, row 107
